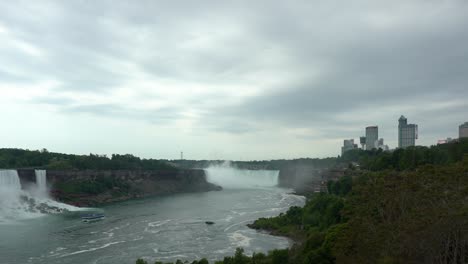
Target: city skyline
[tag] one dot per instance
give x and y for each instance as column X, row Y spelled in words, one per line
column 404, row 138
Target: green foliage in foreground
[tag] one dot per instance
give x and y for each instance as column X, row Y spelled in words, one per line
column 277, row 256
column 19, row 158
column 414, row 216
column 418, row 216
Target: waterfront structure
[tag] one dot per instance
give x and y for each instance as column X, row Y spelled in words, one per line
column 372, row 136
column 407, row 133
column 348, row 144
column 463, row 130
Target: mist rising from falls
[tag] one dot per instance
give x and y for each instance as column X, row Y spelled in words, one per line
column 232, row 178
column 16, row 203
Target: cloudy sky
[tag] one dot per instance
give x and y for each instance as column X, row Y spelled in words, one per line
column 228, row 79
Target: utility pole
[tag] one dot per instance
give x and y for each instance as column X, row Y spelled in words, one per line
column 181, row 155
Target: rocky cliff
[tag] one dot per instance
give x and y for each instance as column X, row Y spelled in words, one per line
column 91, row 187
column 307, row 179
column 295, row 176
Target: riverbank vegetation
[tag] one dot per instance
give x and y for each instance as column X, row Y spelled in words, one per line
column 407, row 210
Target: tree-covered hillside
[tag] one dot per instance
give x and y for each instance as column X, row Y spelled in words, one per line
column 19, row 158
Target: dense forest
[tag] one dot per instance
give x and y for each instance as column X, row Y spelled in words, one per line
column 406, row 206
column 19, row 158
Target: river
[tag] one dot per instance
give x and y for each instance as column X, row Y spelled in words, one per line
column 161, row 228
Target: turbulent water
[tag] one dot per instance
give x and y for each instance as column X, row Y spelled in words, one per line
column 230, row 178
column 162, row 228
column 17, row 203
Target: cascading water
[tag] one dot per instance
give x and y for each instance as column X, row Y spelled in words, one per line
column 233, row 178
column 41, row 182
column 9, row 179
column 16, row 203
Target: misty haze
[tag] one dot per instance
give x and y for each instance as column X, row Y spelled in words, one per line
column 245, row 132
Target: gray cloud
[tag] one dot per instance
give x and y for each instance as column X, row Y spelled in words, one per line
column 154, row 116
column 411, row 65
column 327, row 67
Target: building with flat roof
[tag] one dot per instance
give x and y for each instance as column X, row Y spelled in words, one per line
column 372, row 136
column 380, row 145
column 463, row 130
column 407, row 133
column 348, row 144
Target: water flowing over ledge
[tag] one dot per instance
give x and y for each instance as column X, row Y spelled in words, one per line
column 21, row 202
column 229, row 177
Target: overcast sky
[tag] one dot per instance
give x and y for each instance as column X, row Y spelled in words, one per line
column 228, row 79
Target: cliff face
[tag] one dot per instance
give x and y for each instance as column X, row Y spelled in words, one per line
column 27, row 177
column 91, row 188
column 307, row 179
column 296, row 176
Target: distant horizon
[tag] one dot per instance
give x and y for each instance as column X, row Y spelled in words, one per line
column 109, row 155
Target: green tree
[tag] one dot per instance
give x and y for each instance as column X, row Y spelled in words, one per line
column 141, row 261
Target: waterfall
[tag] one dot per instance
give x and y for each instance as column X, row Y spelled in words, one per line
column 233, row 178
column 16, row 204
column 41, row 182
column 9, row 179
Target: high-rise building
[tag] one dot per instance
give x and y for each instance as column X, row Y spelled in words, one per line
column 348, row 144
column 463, row 130
column 372, row 135
column 362, row 140
column 407, row 133
column 380, row 145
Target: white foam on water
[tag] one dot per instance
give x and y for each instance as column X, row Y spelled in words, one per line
column 240, row 240
column 239, row 223
column 154, row 227
column 91, row 249
column 178, row 256
column 17, row 204
column 159, row 223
